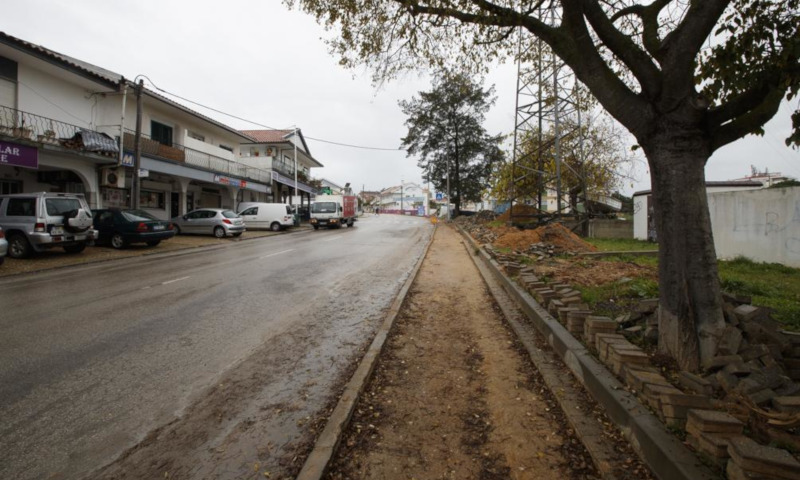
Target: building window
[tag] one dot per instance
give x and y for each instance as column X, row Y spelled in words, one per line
column 196, row 136
column 225, row 147
column 150, row 199
column 10, row 186
column 161, row 133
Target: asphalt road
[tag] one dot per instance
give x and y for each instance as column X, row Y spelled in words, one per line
column 94, row 358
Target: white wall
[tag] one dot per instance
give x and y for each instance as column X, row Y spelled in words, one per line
column 763, row 225
column 53, row 97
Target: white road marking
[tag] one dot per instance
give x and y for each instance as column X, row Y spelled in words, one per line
column 276, row 253
column 173, row 281
column 329, row 239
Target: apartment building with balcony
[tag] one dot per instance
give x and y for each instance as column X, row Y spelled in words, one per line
column 61, row 121
column 282, row 153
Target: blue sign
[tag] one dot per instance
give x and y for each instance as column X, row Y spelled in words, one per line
column 421, row 211
column 439, row 196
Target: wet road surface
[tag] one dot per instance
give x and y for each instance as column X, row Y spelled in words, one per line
column 212, row 360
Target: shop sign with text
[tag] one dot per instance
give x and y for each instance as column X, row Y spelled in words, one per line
column 18, row 155
column 230, row 181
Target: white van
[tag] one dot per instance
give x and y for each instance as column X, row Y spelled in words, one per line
column 272, row 216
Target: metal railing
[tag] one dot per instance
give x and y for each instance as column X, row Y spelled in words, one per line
column 190, row 156
column 28, row 126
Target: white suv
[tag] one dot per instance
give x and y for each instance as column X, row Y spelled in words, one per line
column 34, row 222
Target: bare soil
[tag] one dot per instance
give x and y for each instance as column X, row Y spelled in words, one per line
column 452, row 396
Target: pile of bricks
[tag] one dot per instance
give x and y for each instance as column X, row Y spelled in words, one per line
column 756, row 362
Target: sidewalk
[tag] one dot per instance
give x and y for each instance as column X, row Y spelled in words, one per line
column 57, row 258
column 454, row 396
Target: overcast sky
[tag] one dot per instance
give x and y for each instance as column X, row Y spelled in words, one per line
column 257, row 60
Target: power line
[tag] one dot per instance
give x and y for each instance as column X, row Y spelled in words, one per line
column 340, row 144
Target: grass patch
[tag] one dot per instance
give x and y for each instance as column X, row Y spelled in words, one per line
column 770, row 284
column 618, row 297
column 620, row 244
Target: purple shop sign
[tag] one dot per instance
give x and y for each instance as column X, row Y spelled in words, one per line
column 18, row 155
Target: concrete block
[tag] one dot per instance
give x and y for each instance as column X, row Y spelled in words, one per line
column 575, row 321
column 543, row 295
column 762, row 397
column 553, row 306
column 695, row 383
column 754, row 458
column 730, row 341
column 747, row 313
column 603, row 340
column 637, row 379
column 787, row 404
column 738, row 368
column 735, row 472
column 652, row 394
column 563, row 312
column 596, row 324
column 753, row 352
column 714, row 446
column 727, row 381
column 677, row 405
column 646, row 306
column 575, row 302
column 621, row 355
column 720, row 361
column 713, row 421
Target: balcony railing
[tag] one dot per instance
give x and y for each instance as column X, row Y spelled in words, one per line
column 28, row 126
column 190, row 156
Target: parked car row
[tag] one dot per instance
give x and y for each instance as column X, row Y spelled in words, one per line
column 35, row 222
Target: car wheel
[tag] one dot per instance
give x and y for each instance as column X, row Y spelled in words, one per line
column 118, row 242
column 177, row 230
column 2, row 259
column 18, row 246
column 219, row 232
column 316, row 227
column 75, row 248
column 275, row 227
column 153, row 243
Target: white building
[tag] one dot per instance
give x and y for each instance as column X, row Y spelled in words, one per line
column 62, row 120
column 643, row 221
column 408, row 197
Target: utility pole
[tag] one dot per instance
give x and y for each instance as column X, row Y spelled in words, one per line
column 401, row 197
column 295, row 164
column 137, row 149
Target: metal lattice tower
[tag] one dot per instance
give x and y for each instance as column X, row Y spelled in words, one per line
column 546, row 94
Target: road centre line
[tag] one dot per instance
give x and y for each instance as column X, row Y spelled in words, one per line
column 276, row 253
column 329, row 239
column 173, row 281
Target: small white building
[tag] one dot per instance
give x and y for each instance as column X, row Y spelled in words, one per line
column 408, row 197
column 643, row 221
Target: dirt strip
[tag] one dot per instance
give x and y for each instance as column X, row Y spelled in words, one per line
column 452, row 396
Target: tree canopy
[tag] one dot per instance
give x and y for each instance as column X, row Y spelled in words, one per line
column 445, row 131
column 592, row 158
column 685, row 77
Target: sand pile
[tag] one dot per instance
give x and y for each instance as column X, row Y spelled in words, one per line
column 554, row 234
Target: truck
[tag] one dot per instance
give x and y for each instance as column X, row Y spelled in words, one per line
column 333, row 211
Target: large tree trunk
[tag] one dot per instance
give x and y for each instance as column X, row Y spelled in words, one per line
column 690, row 307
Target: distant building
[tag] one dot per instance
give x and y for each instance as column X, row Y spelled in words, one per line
column 408, row 197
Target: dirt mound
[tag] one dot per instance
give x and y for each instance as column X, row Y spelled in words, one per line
column 591, row 273
column 554, row 234
column 519, row 210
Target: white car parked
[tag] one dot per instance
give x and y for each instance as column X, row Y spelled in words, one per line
column 272, row 216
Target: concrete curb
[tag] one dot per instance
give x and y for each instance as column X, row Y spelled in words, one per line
column 667, row 457
column 317, row 462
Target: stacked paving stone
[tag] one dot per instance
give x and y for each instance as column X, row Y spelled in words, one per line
column 758, row 362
